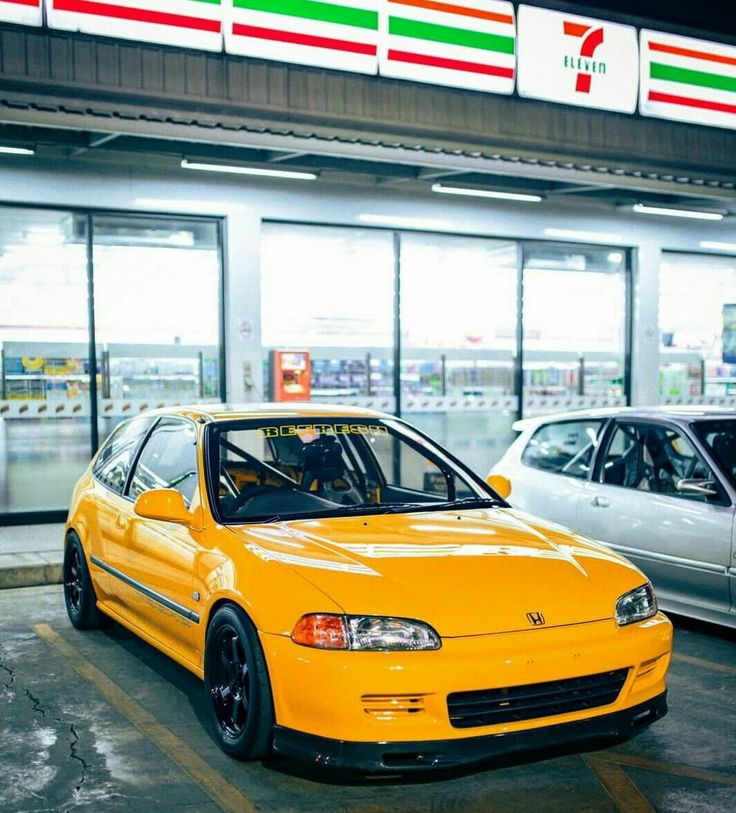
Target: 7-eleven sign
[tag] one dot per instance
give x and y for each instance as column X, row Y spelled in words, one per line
column 577, row 60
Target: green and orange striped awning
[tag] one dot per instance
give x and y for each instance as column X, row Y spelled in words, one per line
column 182, row 23
column 687, row 79
column 339, row 34
column 22, row 12
column 467, row 44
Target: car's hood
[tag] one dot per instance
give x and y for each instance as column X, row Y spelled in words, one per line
column 463, row 572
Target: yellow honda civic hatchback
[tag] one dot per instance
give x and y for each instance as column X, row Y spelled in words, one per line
column 352, row 595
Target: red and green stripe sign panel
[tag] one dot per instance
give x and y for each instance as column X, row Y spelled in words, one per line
column 21, row 12
column 338, row 34
column 182, row 23
column 687, row 79
column 463, row 43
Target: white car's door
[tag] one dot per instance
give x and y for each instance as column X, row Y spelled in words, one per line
column 682, row 541
column 548, row 475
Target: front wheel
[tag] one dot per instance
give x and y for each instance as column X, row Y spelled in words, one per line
column 237, row 687
column 79, row 592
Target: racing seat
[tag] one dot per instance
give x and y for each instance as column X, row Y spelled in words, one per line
column 324, row 470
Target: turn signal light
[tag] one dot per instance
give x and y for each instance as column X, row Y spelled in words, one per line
column 321, row 630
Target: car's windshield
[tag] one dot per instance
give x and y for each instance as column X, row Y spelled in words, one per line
column 720, row 438
column 271, row 469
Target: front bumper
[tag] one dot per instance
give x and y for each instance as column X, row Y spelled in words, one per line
column 413, row 756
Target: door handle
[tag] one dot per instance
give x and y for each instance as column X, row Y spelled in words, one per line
column 600, row 502
column 121, row 522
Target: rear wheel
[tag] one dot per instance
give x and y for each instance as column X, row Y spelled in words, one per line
column 237, row 685
column 79, row 592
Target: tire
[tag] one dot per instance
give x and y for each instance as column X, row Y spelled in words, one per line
column 237, row 688
column 79, row 592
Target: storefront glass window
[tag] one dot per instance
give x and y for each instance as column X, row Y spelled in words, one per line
column 156, row 314
column 697, row 323
column 156, row 302
column 458, row 327
column 331, row 291
column 574, row 327
column 44, row 365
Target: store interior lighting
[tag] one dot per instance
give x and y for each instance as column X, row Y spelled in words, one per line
column 6, row 150
column 239, row 170
column 717, row 245
column 485, row 193
column 693, row 214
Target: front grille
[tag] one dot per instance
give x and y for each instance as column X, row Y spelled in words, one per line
column 515, row 703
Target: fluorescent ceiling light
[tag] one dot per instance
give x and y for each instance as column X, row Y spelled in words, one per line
column 575, row 234
column 237, row 170
column 484, row 193
column 397, row 221
column 643, row 209
column 715, row 245
column 17, row 150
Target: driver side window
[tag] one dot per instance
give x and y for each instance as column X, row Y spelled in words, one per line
column 168, row 460
column 654, row 457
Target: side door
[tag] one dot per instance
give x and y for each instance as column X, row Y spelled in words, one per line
column 156, row 564
column 681, row 540
column 553, row 468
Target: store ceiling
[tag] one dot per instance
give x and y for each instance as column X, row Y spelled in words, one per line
column 389, row 165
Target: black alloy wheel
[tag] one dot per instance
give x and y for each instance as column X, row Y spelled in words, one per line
column 230, row 682
column 79, row 592
column 237, row 685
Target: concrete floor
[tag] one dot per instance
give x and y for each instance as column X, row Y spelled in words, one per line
column 101, row 721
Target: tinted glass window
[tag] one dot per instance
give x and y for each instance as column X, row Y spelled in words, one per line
column 652, row 457
column 168, row 460
column 564, row 448
column 113, row 462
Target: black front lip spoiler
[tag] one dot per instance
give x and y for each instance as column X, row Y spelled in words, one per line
column 413, row 756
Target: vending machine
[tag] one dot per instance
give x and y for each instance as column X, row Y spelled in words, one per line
column 291, row 375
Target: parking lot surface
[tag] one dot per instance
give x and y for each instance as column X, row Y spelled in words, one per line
column 102, row 721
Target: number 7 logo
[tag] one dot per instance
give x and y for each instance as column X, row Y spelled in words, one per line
column 591, row 39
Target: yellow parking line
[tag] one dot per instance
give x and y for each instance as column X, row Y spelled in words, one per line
column 717, row 667
column 227, row 796
column 669, row 767
column 623, row 792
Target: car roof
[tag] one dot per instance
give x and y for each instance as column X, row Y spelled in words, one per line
column 677, row 414
column 230, row 412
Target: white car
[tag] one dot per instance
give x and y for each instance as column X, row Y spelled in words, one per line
column 658, row 485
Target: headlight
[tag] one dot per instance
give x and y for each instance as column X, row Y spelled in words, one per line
column 637, row 605
column 364, row 632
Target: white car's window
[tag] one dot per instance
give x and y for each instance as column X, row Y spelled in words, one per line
column 565, row 447
column 168, row 460
column 653, row 457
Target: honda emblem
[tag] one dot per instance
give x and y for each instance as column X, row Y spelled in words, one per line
column 535, row 619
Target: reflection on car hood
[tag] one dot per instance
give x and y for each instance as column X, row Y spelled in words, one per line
column 464, row 572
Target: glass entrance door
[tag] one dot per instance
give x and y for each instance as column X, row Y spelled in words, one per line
column 575, row 326
column 44, row 359
column 157, row 305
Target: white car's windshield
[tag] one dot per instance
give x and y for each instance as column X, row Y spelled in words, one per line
column 261, row 470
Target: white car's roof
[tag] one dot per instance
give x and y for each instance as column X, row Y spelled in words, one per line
column 678, row 414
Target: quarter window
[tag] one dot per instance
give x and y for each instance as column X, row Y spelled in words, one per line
column 168, row 460
column 565, row 448
column 113, row 462
column 656, row 458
